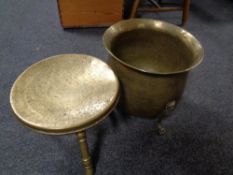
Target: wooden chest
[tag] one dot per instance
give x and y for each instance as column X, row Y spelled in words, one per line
column 87, row 13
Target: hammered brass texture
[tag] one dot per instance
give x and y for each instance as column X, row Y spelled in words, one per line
column 151, row 59
column 64, row 93
column 147, row 95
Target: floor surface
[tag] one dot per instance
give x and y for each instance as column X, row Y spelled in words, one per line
column 200, row 131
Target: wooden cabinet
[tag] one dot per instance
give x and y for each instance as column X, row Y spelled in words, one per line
column 87, row 13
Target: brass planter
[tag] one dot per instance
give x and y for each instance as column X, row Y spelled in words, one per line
column 151, row 59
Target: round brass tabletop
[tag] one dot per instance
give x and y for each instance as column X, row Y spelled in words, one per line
column 64, row 93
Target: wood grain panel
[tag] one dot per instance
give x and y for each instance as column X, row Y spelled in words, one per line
column 76, row 13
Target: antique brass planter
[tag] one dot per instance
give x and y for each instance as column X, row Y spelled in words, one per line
column 151, row 59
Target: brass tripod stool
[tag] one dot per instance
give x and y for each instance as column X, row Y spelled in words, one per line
column 65, row 94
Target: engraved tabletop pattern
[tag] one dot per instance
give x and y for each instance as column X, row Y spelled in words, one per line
column 64, row 93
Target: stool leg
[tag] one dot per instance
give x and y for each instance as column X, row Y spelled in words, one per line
column 134, row 8
column 185, row 11
column 86, row 158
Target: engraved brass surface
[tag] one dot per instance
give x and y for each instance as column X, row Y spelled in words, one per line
column 151, row 59
column 64, row 93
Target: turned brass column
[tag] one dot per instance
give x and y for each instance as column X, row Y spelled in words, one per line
column 86, row 158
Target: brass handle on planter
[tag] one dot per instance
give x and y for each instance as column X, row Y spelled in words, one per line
column 170, row 106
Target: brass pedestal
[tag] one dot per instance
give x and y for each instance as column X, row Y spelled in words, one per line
column 65, row 94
